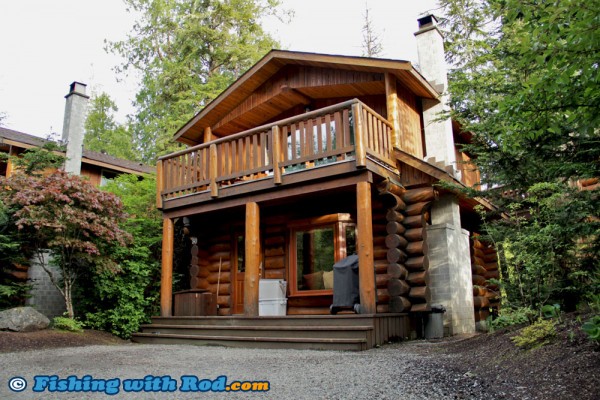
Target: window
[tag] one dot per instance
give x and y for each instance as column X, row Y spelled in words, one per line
column 106, row 176
column 316, row 245
column 240, row 252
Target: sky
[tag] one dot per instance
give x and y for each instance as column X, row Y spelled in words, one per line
column 47, row 44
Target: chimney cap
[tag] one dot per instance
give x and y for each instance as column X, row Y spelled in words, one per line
column 427, row 20
column 77, row 88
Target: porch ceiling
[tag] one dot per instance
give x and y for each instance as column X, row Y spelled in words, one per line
column 273, row 108
column 214, row 113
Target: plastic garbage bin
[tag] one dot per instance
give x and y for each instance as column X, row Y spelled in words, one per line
column 345, row 285
column 434, row 327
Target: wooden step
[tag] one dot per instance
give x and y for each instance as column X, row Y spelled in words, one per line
column 345, row 332
column 261, row 342
column 288, row 320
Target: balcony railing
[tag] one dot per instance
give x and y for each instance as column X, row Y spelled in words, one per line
column 342, row 132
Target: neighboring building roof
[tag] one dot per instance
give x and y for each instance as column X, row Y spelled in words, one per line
column 24, row 140
column 270, row 64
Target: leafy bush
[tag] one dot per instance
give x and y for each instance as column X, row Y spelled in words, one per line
column 13, row 293
column 550, row 311
column 510, row 316
column 120, row 302
column 67, row 324
column 536, row 335
column 592, row 328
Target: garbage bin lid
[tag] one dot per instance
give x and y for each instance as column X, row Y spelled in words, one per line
column 438, row 308
column 350, row 261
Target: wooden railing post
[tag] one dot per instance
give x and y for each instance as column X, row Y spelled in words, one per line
column 364, row 230
column 253, row 253
column 359, row 135
column 276, row 154
column 166, row 275
column 160, row 182
column 213, row 170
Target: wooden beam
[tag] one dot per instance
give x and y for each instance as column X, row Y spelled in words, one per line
column 366, row 273
column 166, row 276
column 393, row 116
column 160, row 183
column 253, row 256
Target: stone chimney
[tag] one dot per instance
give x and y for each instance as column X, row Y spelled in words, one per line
column 73, row 126
column 439, row 140
column 447, row 243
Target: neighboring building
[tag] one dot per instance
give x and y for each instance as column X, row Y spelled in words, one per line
column 97, row 167
column 302, row 161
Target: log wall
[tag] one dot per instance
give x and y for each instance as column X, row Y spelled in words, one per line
column 484, row 266
column 406, row 260
column 208, row 255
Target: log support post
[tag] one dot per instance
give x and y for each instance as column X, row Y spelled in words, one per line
column 366, row 273
column 392, row 108
column 359, row 135
column 166, row 276
column 253, row 256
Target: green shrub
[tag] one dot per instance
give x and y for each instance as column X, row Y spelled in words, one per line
column 592, row 328
column 67, row 324
column 551, row 311
column 511, row 316
column 536, row 335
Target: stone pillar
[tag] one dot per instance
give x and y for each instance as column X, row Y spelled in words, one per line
column 44, row 296
column 450, row 266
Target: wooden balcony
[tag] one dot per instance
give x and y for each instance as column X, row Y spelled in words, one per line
column 348, row 133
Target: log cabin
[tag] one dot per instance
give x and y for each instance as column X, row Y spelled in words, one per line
column 303, row 161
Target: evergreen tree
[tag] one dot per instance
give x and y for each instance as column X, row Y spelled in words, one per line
column 187, row 52
column 525, row 82
column 103, row 134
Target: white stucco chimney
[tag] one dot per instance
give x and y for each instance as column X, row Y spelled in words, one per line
column 74, row 126
column 439, row 140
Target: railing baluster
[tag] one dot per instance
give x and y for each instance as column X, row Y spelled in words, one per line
column 328, row 132
column 276, row 154
column 294, row 142
column 214, row 188
column 319, row 125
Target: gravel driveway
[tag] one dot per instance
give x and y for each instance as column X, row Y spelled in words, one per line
column 390, row 372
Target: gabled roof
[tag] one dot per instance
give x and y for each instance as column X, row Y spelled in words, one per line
column 274, row 61
column 26, row 141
